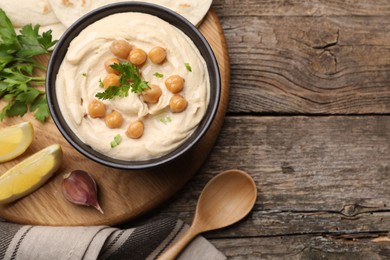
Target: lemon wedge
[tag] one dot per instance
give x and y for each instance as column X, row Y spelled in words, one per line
column 30, row 174
column 14, row 140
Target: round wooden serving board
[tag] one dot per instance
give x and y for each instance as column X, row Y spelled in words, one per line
column 123, row 195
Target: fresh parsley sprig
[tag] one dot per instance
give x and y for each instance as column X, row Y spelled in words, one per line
column 130, row 79
column 18, row 85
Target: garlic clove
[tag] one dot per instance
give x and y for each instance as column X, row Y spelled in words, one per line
column 80, row 188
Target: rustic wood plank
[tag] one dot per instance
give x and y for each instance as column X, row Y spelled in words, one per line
column 305, row 247
column 323, row 181
column 308, row 64
column 301, row 8
column 340, row 157
column 269, row 223
column 315, row 175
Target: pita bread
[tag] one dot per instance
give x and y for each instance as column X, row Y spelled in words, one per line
column 58, row 15
column 68, row 11
column 22, row 12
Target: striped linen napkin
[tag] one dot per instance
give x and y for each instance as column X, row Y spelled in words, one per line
column 99, row 242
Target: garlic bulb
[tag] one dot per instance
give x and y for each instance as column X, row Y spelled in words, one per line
column 80, row 188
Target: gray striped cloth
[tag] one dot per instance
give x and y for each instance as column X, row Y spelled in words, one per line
column 99, row 242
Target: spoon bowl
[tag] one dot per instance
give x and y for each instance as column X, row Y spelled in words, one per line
column 226, row 199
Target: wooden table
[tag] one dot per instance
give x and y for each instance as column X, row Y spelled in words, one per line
column 309, row 119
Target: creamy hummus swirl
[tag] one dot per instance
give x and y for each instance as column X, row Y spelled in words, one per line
column 78, row 82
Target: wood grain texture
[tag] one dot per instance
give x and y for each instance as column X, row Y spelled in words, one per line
column 123, row 194
column 301, row 8
column 308, row 118
column 318, row 178
column 305, row 247
column 287, row 58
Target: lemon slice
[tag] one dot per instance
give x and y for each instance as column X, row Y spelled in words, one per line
column 14, row 140
column 30, row 174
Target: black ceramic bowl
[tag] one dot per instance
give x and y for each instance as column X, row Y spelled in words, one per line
column 164, row 14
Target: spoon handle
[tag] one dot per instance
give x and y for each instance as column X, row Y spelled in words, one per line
column 174, row 251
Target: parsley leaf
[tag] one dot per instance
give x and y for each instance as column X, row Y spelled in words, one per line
column 130, row 79
column 7, row 33
column 165, row 120
column 40, row 107
column 32, row 42
column 139, row 87
column 188, row 67
column 158, row 75
column 117, row 140
column 18, row 108
column 18, row 84
column 113, row 91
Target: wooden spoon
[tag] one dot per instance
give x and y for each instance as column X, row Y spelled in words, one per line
column 226, row 199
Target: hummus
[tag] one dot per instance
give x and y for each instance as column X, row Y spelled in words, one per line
column 82, row 69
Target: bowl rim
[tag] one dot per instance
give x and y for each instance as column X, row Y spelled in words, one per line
column 168, row 16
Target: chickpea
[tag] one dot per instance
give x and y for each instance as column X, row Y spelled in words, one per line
column 114, row 119
column 174, row 83
column 152, row 94
column 137, row 56
column 120, row 48
column 157, row 55
column 177, row 104
column 108, row 63
column 97, row 109
column 111, row 80
column 135, row 130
